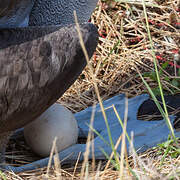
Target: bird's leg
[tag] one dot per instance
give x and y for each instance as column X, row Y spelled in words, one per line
column 4, row 138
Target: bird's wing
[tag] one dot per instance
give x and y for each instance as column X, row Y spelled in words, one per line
column 37, row 67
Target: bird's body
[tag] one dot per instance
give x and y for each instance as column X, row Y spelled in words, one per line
column 34, row 75
column 38, row 63
column 37, row 72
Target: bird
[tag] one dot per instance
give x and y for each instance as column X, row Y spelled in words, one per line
column 40, row 58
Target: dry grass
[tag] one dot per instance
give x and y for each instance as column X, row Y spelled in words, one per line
column 123, row 47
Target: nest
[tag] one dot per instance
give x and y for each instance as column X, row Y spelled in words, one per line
column 123, row 51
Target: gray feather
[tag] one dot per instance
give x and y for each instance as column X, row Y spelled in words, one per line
column 18, row 16
column 46, row 12
column 35, row 73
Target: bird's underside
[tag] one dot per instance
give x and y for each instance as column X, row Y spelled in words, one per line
column 35, row 73
column 43, row 11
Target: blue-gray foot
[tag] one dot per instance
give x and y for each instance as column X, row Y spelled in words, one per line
column 146, row 134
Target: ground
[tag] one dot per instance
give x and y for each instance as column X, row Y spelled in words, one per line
column 124, row 51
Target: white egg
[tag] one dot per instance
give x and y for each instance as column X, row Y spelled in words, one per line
column 56, row 121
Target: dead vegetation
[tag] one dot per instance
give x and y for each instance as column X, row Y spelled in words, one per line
column 123, row 48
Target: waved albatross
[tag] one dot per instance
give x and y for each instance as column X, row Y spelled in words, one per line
column 38, row 63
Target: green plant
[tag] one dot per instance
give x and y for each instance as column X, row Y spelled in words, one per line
column 174, row 82
column 163, row 110
column 168, row 148
column 2, row 176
